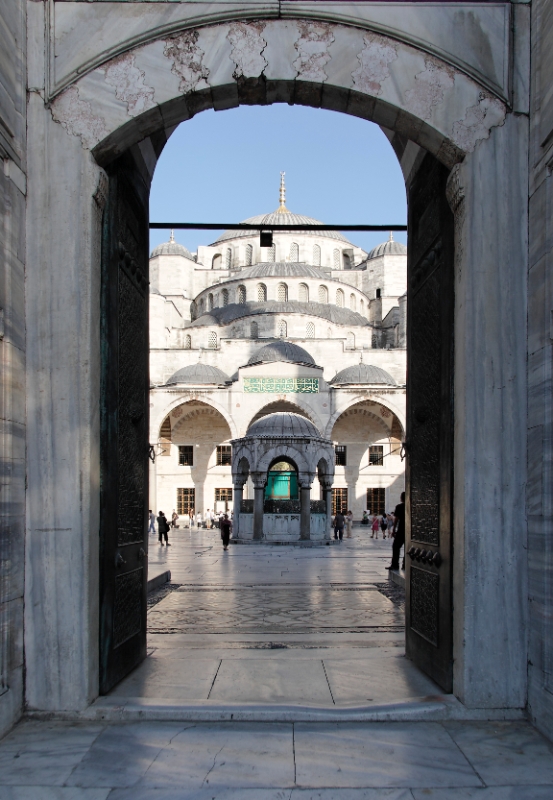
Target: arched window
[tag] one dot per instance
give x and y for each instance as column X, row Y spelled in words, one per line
column 323, row 294
column 229, row 258
column 352, row 302
column 202, row 305
column 362, row 307
column 310, row 330
column 339, row 298
column 282, row 329
column 303, row 294
column 336, row 259
column 254, row 331
column 212, row 340
column 241, row 295
column 294, row 252
column 350, row 341
column 261, row 293
column 225, row 297
column 209, row 302
column 216, row 263
column 187, row 342
column 316, row 255
column 249, row 255
column 271, row 254
column 282, row 293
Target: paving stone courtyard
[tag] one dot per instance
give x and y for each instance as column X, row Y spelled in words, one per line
column 295, row 631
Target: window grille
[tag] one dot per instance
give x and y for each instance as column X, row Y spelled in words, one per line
column 261, row 293
column 271, row 254
column 323, row 294
column 210, row 302
column 186, row 455
column 254, row 331
column 303, row 293
column 310, row 330
column 225, row 297
column 350, row 341
column 340, row 298
column 376, row 455
column 294, row 252
column 212, row 340
column 229, row 258
column 186, row 500
column 282, row 329
column 352, row 302
column 282, row 293
column 316, row 255
column 188, row 342
column 241, row 295
column 340, row 452
column 339, row 500
column 336, row 259
column 202, row 305
column 249, row 255
column 376, row 501
column 224, row 455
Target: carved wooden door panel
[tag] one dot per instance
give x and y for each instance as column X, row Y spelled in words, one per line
column 124, row 425
column 429, row 478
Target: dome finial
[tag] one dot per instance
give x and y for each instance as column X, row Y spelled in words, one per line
column 282, row 196
column 172, row 237
column 391, row 239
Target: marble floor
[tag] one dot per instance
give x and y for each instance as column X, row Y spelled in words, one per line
column 275, row 624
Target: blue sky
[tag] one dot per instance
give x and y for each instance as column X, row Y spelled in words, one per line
column 225, row 166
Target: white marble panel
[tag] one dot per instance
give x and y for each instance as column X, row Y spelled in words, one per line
column 246, row 526
column 262, row 681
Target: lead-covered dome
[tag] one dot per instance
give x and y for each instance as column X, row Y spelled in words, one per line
column 282, row 351
column 279, row 217
column 283, row 424
column 171, row 248
column 389, row 248
column 283, row 269
column 362, row 373
column 199, row 374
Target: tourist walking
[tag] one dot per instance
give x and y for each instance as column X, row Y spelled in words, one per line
column 383, row 525
column 349, row 524
column 163, row 528
column 226, row 527
column 399, row 534
column 339, row 522
column 375, row 526
column 152, row 518
column 199, row 520
column 391, row 523
column 174, row 518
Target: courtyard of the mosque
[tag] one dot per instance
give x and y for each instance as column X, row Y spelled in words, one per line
column 273, row 673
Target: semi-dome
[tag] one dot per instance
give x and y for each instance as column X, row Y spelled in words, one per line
column 199, row 373
column 171, row 248
column 362, row 373
column 282, row 351
column 283, row 269
column 389, row 248
column 283, row 424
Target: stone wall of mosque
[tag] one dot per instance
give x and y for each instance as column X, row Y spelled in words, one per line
column 13, row 190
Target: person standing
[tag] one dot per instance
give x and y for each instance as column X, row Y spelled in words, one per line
column 399, row 533
column 375, row 526
column 174, row 518
column 152, row 518
column 198, row 520
column 349, row 524
column 163, row 528
column 339, row 522
column 384, row 525
column 192, row 518
column 226, row 527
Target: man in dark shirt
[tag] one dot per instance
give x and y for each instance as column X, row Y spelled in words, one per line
column 399, row 533
column 339, row 522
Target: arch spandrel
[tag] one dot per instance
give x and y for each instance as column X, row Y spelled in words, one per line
column 158, row 85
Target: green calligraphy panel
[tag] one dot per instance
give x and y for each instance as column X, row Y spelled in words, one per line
column 281, row 385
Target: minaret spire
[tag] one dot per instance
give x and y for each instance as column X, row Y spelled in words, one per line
column 282, row 196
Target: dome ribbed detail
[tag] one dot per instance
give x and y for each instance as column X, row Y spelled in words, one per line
column 283, row 424
column 282, row 351
column 199, row 374
column 362, row 373
column 171, row 248
column 389, row 248
column 283, row 269
column 281, row 218
column 227, row 314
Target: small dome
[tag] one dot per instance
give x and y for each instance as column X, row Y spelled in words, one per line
column 282, row 351
column 171, row 248
column 283, row 424
column 362, row 373
column 199, row 373
column 389, row 248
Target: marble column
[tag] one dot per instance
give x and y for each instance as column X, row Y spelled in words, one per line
column 305, row 518
column 328, row 501
column 258, row 499
column 238, row 493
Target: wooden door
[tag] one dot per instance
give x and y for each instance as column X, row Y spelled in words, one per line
column 124, row 425
column 429, row 477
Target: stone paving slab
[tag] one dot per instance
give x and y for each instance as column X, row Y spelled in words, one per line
column 268, row 761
